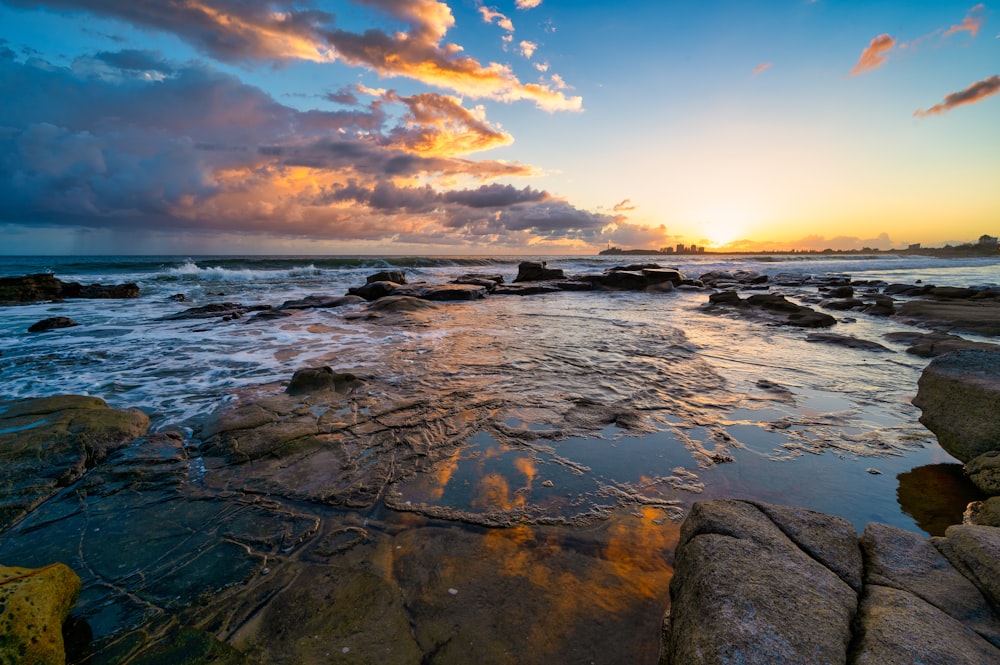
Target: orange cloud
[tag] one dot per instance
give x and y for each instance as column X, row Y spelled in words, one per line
column 527, row 4
column 439, row 125
column 492, row 15
column 976, row 92
column 971, row 23
column 761, row 68
column 281, row 30
column 874, row 54
column 624, row 206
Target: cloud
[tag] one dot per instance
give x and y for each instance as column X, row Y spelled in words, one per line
column 239, row 32
column 624, row 206
column 493, row 16
column 527, row 4
column 976, row 92
column 199, row 151
column 874, row 54
column 971, row 23
column 528, row 48
column 761, row 68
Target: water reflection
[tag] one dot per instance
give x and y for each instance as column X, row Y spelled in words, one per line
column 935, row 495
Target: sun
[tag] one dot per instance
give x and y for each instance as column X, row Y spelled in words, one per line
column 721, row 226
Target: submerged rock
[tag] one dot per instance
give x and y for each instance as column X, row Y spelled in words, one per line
column 34, row 604
column 932, row 345
column 978, row 316
column 221, row 310
column 321, row 302
column 774, row 306
column 54, row 323
column 959, row 395
column 846, row 340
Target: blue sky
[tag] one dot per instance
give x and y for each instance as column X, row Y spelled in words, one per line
column 467, row 127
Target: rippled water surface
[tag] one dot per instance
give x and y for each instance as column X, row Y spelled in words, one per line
column 610, row 412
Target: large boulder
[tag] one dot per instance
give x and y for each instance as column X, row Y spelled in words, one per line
column 34, row 603
column 762, row 584
column 934, row 344
column 959, row 394
column 374, row 290
column 535, row 271
column 397, row 276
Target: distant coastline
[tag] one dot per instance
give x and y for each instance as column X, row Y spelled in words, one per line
column 947, row 251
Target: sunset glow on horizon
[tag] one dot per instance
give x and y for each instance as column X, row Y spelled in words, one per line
column 426, row 127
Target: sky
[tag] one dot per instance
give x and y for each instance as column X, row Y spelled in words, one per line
column 425, row 127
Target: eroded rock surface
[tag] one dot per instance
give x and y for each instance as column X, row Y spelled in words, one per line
column 34, row 603
column 49, row 443
column 959, row 394
column 756, row 583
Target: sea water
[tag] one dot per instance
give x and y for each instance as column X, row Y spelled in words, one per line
column 732, row 407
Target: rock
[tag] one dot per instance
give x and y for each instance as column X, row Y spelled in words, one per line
column 397, row 276
column 882, row 306
column 266, row 315
column 909, row 562
column 977, row 316
column 313, row 379
column 53, row 323
column 321, row 302
column 100, row 291
column 987, row 513
column 846, row 340
column 984, row 472
column 34, row 604
column 50, row 442
column 532, row 271
column 845, row 291
column 932, row 345
column 625, row 280
column 725, row 298
column 373, row 290
column 776, row 307
column 744, row 592
column 177, row 297
column 393, row 304
column 217, row 311
column 959, row 395
column 533, row 289
column 906, row 290
column 489, row 282
column 842, row 305
column 953, row 292
column 977, row 550
column 442, row 292
column 897, row 628
column 44, row 286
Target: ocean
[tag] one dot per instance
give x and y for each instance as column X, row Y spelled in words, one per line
column 835, row 436
column 578, row 430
